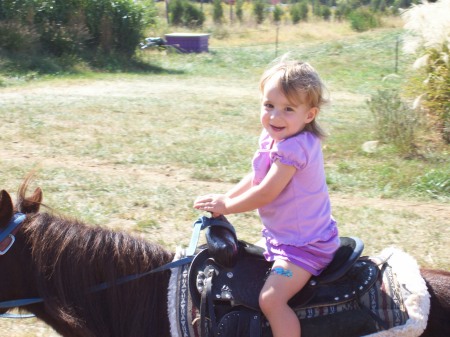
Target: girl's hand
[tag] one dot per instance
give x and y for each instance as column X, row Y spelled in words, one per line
column 213, row 203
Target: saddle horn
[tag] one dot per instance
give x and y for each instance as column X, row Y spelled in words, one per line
column 222, row 242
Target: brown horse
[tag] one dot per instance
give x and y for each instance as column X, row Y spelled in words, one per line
column 60, row 260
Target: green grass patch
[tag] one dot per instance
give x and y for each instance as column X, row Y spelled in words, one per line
column 131, row 150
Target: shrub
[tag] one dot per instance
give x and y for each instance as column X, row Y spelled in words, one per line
column 277, row 14
column 217, row 11
column 14, row 10
column 362, row 20
column 295, row 14
column 129, row 19
column 299, row 12
column 325, row 12
column 239, row 10
column 184, row 13
column 428, row 27
column 59, row 39
column 395, row 122
column 176, row 10
column 17, row 37
column 259, row 7
column 70, row 26
column 342, row 11
column 193, row 16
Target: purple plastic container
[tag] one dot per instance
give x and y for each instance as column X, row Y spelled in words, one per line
column 188, row 42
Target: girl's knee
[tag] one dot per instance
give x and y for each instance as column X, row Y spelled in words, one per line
column 269, row 301
column 263, row 303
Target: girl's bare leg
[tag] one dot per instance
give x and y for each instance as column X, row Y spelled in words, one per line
column 284, row 282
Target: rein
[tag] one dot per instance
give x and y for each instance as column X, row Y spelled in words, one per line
column 17, row 220
column 99, row 287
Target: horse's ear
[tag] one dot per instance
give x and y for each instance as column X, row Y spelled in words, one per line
column 32, row 203
column 6, row 208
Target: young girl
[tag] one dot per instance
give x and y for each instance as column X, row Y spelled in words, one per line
column 288, row 188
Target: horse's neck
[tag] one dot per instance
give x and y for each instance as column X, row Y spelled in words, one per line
column 137, row 308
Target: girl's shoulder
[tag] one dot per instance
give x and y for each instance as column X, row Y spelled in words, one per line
column 297, row 150
column 305, row 140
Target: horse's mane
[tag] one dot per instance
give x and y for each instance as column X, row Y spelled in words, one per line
column 70, row 257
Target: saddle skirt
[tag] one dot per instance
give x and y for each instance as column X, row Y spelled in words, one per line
column 244, row 270
column 240, row 284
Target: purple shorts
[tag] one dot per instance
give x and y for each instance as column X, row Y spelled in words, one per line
column 314, row 257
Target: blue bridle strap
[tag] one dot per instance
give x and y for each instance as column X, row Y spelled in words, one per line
column 20, row 303
column 10, row 230
column 15, row 222
column 10, row 315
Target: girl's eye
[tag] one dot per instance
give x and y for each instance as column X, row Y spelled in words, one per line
column 289, row 109
column 268, row 105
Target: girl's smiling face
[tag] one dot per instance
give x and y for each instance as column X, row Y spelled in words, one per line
column 280, row 117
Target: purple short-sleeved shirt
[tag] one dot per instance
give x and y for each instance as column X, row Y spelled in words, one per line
column 301, row 214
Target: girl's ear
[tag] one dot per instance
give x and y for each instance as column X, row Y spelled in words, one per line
column 312, row 113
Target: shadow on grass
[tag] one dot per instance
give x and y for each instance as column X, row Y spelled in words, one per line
column 130, row 65
column 34, row 64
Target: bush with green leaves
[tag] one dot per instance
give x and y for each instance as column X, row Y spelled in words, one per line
column 259, row 7
column 185, row 13
column 17, row 37
column 342, row 11
column 395, row 122
column 299, row 12
column 193, row 16
column 122, row 22
column 325, row 12
column 72, row 26
column 217, row 11
column 429, row 42
column 362, row 19
column 240, row 10
column 277, row 14
column 64, row 39
column 176, row 12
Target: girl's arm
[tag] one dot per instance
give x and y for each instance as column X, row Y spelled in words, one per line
column 253, row 197
column 241, row 187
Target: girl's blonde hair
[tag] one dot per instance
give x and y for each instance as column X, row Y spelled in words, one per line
column 300, row 83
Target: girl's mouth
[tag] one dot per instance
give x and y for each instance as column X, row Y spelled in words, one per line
column 277, row 128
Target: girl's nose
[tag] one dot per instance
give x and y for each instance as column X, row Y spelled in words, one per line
column 274, row 113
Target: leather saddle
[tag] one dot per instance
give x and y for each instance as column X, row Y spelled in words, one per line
column 233, row 272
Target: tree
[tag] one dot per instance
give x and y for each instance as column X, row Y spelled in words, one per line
column 184, row 13
column 277, row 14
column 217, row 11
column 239, row 10
column 259, row 7
column 299, row 12
column 325, row 13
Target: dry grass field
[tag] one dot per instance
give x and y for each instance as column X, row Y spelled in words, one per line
column 131, row 151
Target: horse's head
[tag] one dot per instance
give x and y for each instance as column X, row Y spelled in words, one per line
column 12, row 217
column 12, row 241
